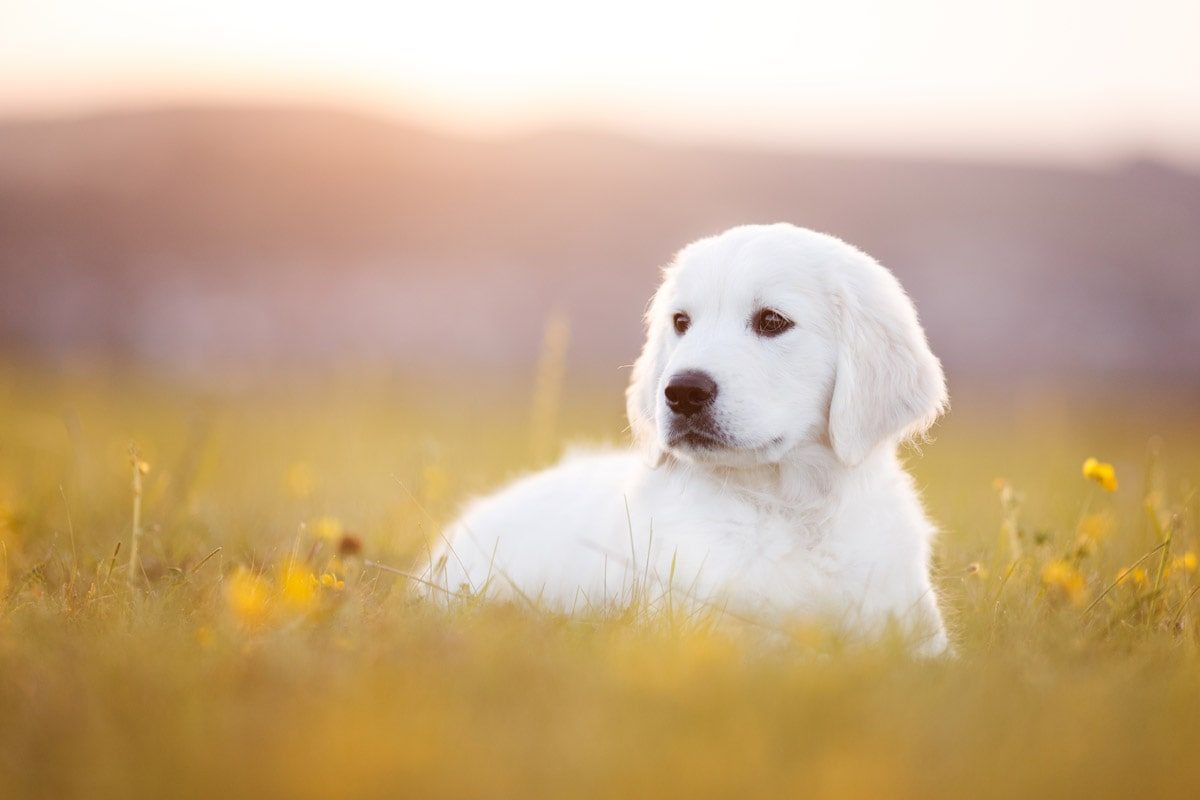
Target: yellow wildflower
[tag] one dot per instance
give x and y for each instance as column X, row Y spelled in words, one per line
column 248, row 596
column 297, row 584
column 1102, row 473
column 1135, row 576
column 300, row 479
column 1064, row 581
column 327, row 528
column 331, row 581
column 1184, row 563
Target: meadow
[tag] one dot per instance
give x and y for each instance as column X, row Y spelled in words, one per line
column 261, row 642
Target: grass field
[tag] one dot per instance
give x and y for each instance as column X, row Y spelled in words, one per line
column 253, row 650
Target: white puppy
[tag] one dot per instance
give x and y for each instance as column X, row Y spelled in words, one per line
column 781, row 369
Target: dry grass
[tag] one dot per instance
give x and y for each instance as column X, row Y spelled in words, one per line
column 245, row 656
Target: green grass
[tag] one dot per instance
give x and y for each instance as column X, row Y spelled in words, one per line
column 186, row 683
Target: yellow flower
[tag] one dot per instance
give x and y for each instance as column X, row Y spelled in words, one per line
column 1064, row 581
column 300, row 479
column 1135, row 576
column 331, row 581
column 1185, row 562
column 1102, row 473
column 298, row 585
column 248, row 596
column 327, row 528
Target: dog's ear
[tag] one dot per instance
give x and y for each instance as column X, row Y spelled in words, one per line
column 889, row 386
column 641, row 397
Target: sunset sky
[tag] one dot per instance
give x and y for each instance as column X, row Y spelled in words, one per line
column 1045, row 79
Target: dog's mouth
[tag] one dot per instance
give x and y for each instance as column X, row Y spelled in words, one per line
column 698, row 435
column 699, row 440
column 707, row 441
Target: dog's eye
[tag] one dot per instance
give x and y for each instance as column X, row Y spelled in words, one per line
column 682, row 321
column 771, row 323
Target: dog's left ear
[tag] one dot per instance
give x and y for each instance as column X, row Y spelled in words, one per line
column 889, row 385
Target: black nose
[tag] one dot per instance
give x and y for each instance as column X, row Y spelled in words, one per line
column 689, row 392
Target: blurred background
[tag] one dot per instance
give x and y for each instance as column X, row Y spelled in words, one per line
column 246, row 247
column 204, row 188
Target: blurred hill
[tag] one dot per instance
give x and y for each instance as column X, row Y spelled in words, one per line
column 204, row 236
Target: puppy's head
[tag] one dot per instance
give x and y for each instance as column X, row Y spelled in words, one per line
column 768, row 337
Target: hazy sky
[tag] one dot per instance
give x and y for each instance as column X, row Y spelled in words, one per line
column 1021, row 78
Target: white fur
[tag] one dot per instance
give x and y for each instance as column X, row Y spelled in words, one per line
column 807, row 513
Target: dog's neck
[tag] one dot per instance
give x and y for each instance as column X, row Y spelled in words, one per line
column 808, row 481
